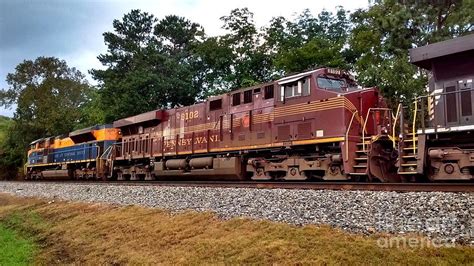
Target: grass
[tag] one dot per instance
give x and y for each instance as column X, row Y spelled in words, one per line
column 82, row 233
column 15, row 250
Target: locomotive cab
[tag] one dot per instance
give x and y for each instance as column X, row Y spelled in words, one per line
column 444, row 117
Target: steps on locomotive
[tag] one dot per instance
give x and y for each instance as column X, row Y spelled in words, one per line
column 361, row 159
column 408, row 154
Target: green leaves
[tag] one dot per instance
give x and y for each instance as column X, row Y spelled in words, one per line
column 47, row 93
column 151, row 64
column 50, row 97
column 308, row 41
column 383, row 34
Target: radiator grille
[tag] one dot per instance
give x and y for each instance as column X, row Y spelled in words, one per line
column 304, row 130
column 284, row 132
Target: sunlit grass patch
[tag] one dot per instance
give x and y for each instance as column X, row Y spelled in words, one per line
column 14, row 249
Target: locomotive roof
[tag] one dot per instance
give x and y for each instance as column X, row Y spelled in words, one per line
column 295, row 77
column 141, row 118
column 422, row 56
column 285, row 79
column 36, row 141
column 88, row 129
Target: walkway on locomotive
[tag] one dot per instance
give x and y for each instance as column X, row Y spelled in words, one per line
column 296, row 110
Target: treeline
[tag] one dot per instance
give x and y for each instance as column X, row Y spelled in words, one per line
column 165, row 62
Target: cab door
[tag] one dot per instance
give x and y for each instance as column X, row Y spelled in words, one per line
column 466, row 100
column 459, row 100
column 451, row 103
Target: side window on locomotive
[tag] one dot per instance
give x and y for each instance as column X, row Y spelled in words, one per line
column 268, row 92
column 248, row 96
column 236, row 99
column 296, row 88
column 215, row 105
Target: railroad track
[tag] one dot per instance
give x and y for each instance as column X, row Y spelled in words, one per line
column 399, row 187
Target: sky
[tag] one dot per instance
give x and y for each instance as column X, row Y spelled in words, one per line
column 72, row 29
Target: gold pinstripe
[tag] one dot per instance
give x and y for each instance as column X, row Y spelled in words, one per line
column 58, row 163
column 295, row 109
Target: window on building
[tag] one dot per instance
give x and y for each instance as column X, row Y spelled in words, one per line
column 215, row 105
column 248, row 96
column 268, row 92
column 236, row 99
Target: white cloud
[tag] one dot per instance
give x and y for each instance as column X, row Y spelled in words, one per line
column 73, row 30
column 208, row 12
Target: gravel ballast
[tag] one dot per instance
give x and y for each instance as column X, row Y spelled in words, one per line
column 447, row 217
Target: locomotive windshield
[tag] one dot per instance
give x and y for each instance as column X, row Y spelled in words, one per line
column 336, row 84
column 331, row 83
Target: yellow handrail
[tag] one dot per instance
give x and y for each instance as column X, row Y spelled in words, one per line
column 347, row 133
column 365, row 124
column 414, row 126
column 363, row 129
column 395, row 124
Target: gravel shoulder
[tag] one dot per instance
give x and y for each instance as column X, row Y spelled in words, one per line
column 447, row 217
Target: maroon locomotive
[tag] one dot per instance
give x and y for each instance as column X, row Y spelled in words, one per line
column 305, row 126
column 439, row 144
column 316, row 125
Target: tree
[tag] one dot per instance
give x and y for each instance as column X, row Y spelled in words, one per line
column 384, row 33
column 236, row 59
column 308, row 41
column 49, row 96
column 150, row 65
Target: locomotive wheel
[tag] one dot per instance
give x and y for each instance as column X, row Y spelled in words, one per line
column 259, row 174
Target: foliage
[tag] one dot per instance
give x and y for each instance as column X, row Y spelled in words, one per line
column 236, row 59
column 384, row 33
column 249, row 64
column 5, row 123
column 48, row 95
column 308, row 41
column 150, row 64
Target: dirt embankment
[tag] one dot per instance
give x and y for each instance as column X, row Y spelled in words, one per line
column 98, row 233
